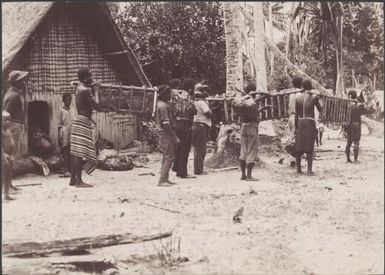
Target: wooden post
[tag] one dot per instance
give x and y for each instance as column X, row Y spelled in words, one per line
column 286, row 104
column 154, row 103
column 232, row 112
column 144, row 99
column 338, row 110
column 225, row 108
column 341, row 110
column 120, row 96
column 335, row 110
column 131, row 98
column 279, row 106
column 324, row 108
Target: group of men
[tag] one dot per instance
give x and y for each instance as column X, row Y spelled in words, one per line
column 184, row 121
column 305, row 126
column 74, row 130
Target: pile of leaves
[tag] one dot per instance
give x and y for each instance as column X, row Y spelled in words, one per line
column 228, row 147
column 40, row 144
column 117, row 163
column 150, row 135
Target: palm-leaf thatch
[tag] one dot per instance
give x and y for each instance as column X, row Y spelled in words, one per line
column 21, row 19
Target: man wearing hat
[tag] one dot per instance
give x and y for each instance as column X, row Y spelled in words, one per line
column 200, row 130
column 168, row 141
column 305, row 125
column 14, row 105
column 8, row 149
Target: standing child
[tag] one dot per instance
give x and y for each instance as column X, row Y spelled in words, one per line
column 67, row 115
column 8, row 150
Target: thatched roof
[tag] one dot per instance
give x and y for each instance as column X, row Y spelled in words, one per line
column 20, row 19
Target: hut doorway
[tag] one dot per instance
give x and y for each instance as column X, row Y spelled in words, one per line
column 38, row 116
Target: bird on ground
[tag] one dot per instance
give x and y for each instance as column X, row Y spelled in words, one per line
column 237, row 218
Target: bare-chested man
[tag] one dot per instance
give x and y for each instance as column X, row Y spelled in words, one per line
column 305, row 125
column 354, row 126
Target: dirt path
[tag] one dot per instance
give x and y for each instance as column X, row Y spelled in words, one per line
column 331, row 223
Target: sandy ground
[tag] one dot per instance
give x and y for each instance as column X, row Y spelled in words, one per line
column 332, row 223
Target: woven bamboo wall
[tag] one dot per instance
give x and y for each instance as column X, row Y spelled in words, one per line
column 59, row 46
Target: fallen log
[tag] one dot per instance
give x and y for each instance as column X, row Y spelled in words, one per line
column 52, row 265
column 24, row 166
column 32, row 249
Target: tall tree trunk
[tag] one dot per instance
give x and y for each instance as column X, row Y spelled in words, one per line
column 279, row 54
column 271, row 36
column 234, row 66
column 288, row 32
column 261, row 78
column 340, row 80
column 340, row 87
column 249, row 36
column 291, row 66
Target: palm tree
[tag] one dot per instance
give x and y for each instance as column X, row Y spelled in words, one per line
column 323, row 23
column 233, row 35
column 274, row 10
column 274, row 18
column 288, row 31
column 259, row 47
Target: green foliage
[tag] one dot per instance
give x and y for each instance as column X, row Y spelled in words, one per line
column 278, row 15
column 364, row 42
column 362, row 38
column 177, row 40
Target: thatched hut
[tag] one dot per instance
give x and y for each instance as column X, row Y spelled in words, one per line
column 52, row 40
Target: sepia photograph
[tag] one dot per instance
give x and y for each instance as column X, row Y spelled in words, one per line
column 192, row 138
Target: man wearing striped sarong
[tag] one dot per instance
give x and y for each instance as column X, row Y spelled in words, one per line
column 82, row 144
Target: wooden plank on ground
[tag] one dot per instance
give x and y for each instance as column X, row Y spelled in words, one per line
column 30, row 249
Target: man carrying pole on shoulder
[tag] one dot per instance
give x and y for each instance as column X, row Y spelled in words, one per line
column 305, row 125
column 247, row 108
column 357, row 109
column 82, row 144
